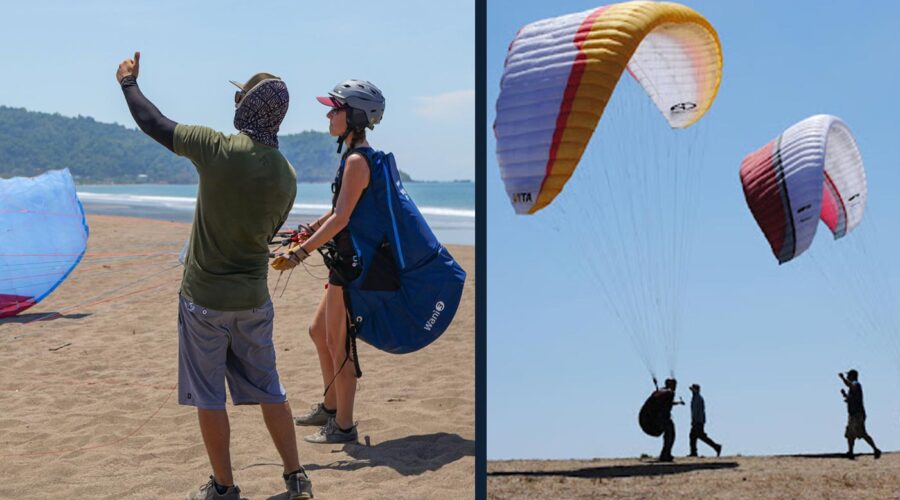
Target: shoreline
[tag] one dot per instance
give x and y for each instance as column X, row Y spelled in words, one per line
column 448, row 231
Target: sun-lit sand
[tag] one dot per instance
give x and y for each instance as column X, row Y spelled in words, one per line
column 825, row 476
column 89, row 408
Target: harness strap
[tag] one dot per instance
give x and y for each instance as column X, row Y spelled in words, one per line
column 352, row 331
column 352, row 327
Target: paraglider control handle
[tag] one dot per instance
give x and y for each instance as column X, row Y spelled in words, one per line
column 299, row 235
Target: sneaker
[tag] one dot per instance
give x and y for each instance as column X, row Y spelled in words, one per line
column 718, row 450
column 877, row 453
column 317, row 416
column 330, row 433
column 208, row 492
column 298, row 485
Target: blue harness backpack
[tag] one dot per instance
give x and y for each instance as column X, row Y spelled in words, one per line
column 409, row 286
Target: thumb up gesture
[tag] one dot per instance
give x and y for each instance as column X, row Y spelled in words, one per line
column 129, row 67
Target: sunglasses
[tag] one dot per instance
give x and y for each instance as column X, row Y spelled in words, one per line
column 238, row 95
column 337, row 110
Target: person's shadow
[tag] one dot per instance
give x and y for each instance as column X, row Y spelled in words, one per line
column 841, row 456
column 410, row 455
column 610, row 471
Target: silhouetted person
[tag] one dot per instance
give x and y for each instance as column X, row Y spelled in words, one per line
column 856, row 419
column 698, row 421
column 666, row 397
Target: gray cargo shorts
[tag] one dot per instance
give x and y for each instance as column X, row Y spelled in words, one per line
column 215, row 346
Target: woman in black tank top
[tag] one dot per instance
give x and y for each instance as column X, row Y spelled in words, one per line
column 355, row 105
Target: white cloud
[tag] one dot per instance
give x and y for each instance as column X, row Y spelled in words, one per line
column 455, row 105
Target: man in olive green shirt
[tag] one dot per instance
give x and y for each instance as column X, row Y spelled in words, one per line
column 225, row 317
column 246, row 192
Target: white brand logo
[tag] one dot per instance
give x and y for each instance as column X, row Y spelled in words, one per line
column 435, row 314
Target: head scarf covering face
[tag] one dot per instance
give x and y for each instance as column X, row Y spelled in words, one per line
column 261, row 111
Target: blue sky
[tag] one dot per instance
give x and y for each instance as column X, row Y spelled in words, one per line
column 61, row 57
column 764, row 341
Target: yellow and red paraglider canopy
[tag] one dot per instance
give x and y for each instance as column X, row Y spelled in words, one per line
column 560, row 73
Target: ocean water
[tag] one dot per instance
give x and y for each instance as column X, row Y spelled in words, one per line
column 449, row 207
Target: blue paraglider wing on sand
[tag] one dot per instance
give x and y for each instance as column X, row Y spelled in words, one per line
column 43, row 237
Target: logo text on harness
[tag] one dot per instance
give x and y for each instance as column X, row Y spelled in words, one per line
column 435, row 314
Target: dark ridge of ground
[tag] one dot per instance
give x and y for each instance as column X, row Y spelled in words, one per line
column 813, row 476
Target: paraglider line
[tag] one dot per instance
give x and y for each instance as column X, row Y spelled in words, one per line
column 103, row 445
column 89, row 302
column 110, row 299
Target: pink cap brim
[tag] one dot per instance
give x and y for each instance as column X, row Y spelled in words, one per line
column 329, row 101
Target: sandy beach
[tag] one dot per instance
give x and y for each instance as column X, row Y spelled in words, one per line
column 822, row 476
column 89, row 406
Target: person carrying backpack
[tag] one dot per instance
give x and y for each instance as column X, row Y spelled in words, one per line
column 391, row 282
column 655, row 417
column 355, row 105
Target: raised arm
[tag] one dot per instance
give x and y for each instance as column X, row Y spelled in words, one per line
column 148, row 118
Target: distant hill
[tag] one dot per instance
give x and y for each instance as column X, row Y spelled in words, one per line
column 98, row 153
